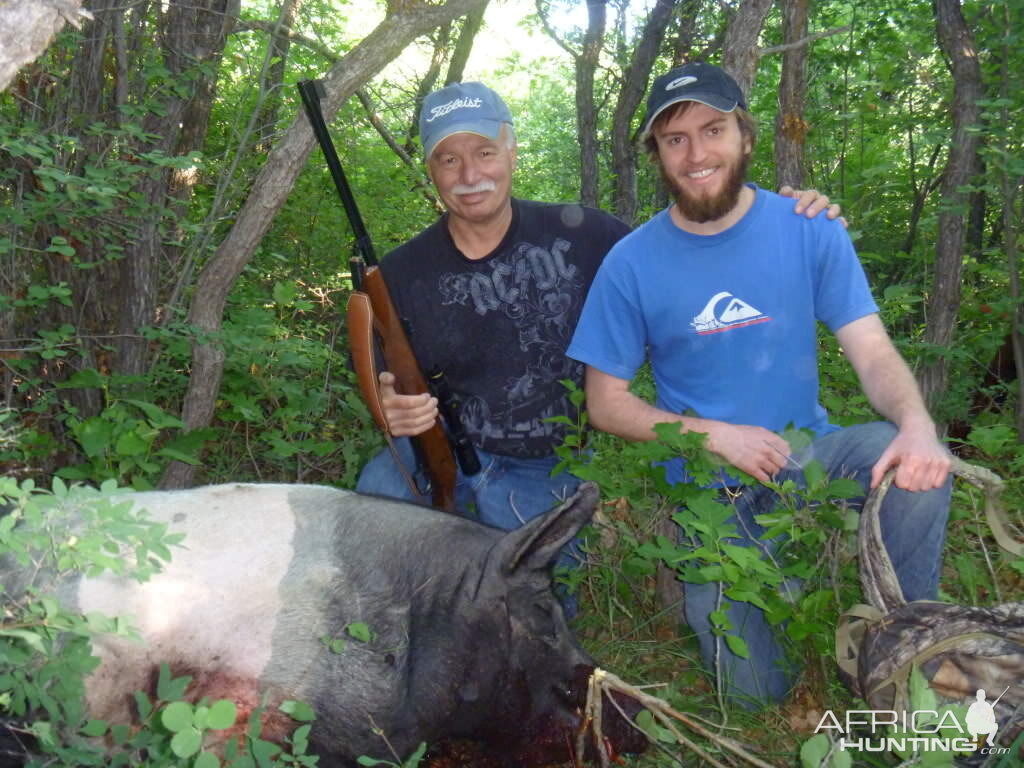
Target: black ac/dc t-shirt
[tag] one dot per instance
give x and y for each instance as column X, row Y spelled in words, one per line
column 499, row 326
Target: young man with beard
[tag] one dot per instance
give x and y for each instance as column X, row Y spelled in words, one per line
column 490, row 295
column 723, row 294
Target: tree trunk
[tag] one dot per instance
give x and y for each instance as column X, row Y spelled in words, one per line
column 1011, row 189
column 740, row 51
column 1012, row 185
column 192, row 35
column 957, row 43
column 634, row 88
column 270, row 189
column 586, row 112
column 464, row 45
column 790, row 126
column 279, row 44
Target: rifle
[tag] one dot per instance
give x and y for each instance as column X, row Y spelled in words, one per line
column 377, row 336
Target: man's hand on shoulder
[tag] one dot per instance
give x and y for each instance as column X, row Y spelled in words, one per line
column 755, row 450
column 922, row 462
column 407, row 415
column 810, row 203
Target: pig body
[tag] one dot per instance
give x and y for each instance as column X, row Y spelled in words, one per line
column 468, row 640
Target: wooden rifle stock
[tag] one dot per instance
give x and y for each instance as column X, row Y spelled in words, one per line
column 371, row 317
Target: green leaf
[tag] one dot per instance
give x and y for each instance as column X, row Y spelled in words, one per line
column 813, row 751
column 298, row 710
column 94, row 728
column 738, row 646
column 264, row 752
column 334, row 644
column 187, row 742
column 131, row 444
column 922, row 697
column 185, row 458
column 364, row 760
column 300, row 739
column 222, row 715
column 57, row 244
column 284, row 293
column 206, row 760
column 169, row 689
column 43, row 731
column 176, row 717
column 647, row 723
column 720, row 619
column 94, row 436
column 31, row 639
column 845, row 488
column 87, row 378
column 142, row 704
column 359, row 631
column 60, row 488
column 814, row 474
column 414, row 759
column 156, row 416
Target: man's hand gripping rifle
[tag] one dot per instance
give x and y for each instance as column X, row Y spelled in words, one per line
column 379, row 342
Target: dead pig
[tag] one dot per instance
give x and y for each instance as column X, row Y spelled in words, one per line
column 467, row 639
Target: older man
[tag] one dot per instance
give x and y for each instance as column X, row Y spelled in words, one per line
column 490, row 295
column 723, row 293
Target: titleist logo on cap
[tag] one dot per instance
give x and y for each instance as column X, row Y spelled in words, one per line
column 444, row 109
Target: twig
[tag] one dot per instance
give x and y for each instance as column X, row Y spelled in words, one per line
column 803, row 41
column 604, row 683
column 720, row 674
column 988, row 559
column 380, row 732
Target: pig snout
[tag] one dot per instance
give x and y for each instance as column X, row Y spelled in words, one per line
column 620, row 734
column 550, row 736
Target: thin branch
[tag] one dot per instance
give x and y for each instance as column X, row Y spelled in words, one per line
column 422, row 183
column 254, row 25
column 364, row 99
column 984, row 551
column 604, row 682
column 802, row 41
column 550, row 32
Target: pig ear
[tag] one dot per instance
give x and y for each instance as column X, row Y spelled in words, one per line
column 535, row 546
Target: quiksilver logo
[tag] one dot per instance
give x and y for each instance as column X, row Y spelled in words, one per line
column 443, row 109
column 679, row 82
column 725, row 312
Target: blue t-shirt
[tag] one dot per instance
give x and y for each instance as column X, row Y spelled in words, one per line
column 728, row 320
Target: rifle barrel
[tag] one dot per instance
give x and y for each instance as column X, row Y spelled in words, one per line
column 311, row 92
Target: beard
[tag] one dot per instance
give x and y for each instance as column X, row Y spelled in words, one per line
column 704, row 208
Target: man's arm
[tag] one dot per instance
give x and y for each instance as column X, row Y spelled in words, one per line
column 613, row 408
column 922, row 461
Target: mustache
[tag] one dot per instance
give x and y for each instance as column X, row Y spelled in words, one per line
column 481, row 186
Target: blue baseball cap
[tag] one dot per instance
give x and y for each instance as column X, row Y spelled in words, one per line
column 696, row 81
column 461, row 108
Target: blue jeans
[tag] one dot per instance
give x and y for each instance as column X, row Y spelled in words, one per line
column 913, row 528
column 505, row 493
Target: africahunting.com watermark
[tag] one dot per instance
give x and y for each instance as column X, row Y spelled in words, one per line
column 926, row 730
